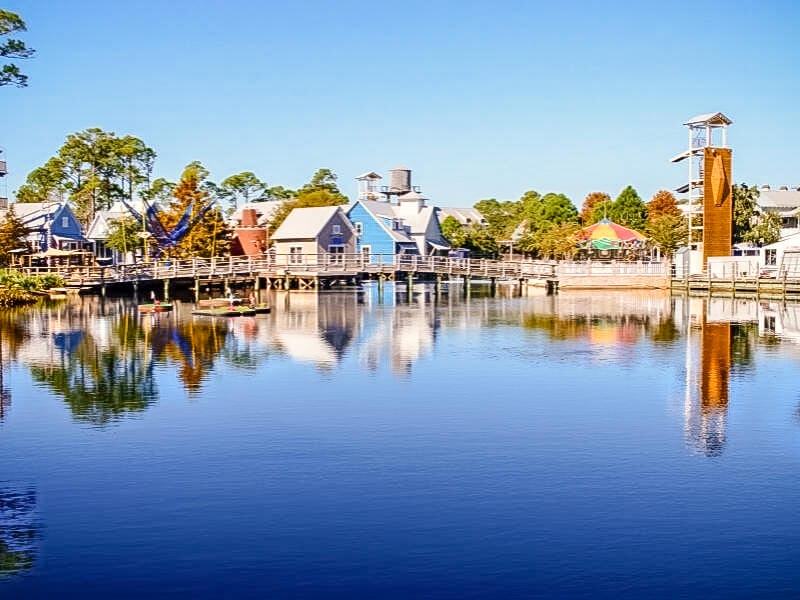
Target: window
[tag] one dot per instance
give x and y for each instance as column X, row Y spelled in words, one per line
column 336, row 254
column 296, row 255
column 771, row 257
column 359, row 227
column 64, row 222
column 397, row 224
column 337, row 229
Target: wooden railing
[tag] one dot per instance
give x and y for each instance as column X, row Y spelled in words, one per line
column 323, row 263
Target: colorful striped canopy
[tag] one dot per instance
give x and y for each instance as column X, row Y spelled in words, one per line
column 607, row 235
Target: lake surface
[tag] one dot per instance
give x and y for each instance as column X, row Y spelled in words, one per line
column 346, row 445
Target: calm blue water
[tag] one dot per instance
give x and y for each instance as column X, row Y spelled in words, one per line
column 603, row 445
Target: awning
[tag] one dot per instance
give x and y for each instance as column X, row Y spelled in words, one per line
column 52, row 252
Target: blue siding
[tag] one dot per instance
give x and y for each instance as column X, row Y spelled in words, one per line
column 65, row 224
column 372, row 234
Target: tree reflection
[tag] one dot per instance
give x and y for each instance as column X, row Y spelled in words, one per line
column 100, row 383
column 192, row 344
column 19, row 531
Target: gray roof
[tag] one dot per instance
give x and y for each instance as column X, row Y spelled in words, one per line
column 389, row 211
column 30, row 212
column 464, row 216
column 305, row 223
column 778, row 199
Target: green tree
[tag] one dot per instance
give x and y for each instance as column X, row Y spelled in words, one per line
column 13, row 235
column 123, row 235
column 502, row 218
column 555, row 209
column 668, row 232
column 243, row 186
column 43, row 183
column 320, row 191
column 453, row 232
column 591, row 201
column 10, row 73
column 557, row 240
column 94, row 168
column 629, row 210
column 750, row 225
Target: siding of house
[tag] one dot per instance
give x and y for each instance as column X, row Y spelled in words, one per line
column 312, row 248
column 373, row 234
column 64, row 224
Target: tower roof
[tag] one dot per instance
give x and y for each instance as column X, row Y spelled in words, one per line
column 369, row 175
column 715, row 118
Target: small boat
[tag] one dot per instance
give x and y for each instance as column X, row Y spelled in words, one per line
column 225, row 311
column 219, row 302
column 262, row 309
column 155, row 308
column 57, row 293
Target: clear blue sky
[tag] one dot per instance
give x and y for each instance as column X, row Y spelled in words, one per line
column 481, row 99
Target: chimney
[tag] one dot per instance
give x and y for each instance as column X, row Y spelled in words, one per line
column 249, row 218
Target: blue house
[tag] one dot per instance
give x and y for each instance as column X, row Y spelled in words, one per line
column 52, row 225
column 394, row 220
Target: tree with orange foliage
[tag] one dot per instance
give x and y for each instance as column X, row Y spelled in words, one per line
column 663, row 203
column 210, row 234
column 592, row 201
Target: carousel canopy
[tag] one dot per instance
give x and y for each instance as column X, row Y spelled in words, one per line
column 607, row 235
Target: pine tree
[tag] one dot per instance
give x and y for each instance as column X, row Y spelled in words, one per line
column 629, row 210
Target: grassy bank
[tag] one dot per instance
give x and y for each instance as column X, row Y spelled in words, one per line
column 17, row 289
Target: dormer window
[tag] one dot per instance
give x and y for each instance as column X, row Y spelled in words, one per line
column 397, row 224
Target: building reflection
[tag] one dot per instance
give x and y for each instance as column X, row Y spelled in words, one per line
column 706, row 397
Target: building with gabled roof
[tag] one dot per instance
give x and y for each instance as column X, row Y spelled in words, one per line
column 394, row 219
column 52, row 225
column 309, row 233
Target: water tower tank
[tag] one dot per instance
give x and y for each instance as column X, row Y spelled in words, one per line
column 400, row 180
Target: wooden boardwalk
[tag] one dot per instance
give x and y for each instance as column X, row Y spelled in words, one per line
column 308, row 272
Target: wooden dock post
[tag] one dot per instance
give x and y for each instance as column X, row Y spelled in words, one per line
column 410, row 283
column 493, row 286
column 381, row 279
column 196, row 290
column 166, row 290
column 257, row 289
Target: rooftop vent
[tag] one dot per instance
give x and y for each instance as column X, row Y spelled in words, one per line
column 765, row 187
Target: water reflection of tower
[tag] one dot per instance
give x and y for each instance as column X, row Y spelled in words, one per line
column 706, row 401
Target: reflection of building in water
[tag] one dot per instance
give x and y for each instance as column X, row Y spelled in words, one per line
column 401, row 335
column 706, row 399
column 313, row 327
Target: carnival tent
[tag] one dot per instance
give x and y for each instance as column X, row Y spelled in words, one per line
column 607, row 235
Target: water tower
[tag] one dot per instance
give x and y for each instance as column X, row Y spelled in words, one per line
column 709, row 188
